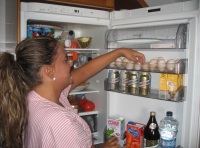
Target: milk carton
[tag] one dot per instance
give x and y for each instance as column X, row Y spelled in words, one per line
column 116, row 127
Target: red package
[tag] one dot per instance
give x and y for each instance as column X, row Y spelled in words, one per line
column 135, row 135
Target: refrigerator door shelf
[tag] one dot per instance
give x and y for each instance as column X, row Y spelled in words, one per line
column 179, row 67
column 175, row 96
column 166, row 36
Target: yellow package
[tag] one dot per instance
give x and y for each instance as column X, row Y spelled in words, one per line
column 173, row 82
column 163, row 82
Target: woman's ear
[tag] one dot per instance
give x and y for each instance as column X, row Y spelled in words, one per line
column 48, row 71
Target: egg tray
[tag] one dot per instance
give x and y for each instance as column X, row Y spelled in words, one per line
column 175, row 68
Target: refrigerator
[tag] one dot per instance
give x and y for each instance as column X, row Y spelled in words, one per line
column 153, row 31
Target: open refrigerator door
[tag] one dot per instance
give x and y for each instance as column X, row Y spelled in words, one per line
column 143, row 30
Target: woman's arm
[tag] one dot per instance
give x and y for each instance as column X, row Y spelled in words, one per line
column 86, row 71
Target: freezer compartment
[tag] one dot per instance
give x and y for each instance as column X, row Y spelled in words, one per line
column 166, row 36
column 175, row 96
column 171, row 66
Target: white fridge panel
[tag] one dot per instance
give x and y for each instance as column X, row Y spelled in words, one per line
column 157, row 10
column 137, row 109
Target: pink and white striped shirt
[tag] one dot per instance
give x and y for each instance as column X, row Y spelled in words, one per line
column 53, row 126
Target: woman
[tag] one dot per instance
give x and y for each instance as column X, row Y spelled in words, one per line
column 40, row 78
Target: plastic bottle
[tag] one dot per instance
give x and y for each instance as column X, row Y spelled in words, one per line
column 168, row 128
column 151, row 133
column 73, row 42
column 64, row 36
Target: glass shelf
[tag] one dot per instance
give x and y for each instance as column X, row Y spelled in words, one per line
column 86, row 91
column 83, row 50
column 177, row 96
column 87, row 113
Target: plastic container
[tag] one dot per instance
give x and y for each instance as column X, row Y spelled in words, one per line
column 168, row 128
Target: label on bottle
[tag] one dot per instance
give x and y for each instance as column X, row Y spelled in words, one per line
column 152, row 126
column 168, row 143
column 151, row 143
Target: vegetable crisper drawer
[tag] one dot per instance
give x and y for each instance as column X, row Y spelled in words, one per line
column 167, row 36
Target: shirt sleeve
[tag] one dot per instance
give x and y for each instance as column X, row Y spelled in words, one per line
column 69, row 133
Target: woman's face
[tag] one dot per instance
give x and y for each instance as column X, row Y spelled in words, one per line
column 62, row 68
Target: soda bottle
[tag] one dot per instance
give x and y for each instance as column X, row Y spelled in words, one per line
column 151, row 133
column 168, row 128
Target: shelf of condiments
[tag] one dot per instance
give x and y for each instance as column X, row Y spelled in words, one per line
column 159, row 65
column 138, row 135
column 139, row 84
column 67, row 36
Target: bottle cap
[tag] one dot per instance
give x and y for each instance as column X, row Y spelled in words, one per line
column 121, row 118
column 131, row 122
column 169, row 113
column 152, row 113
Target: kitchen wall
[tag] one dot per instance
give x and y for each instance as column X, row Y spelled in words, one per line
column 8, row 25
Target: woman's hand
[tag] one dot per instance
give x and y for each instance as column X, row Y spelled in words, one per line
column 132, row 55
column 111, row 143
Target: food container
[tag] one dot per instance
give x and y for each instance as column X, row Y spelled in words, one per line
column 84, row 42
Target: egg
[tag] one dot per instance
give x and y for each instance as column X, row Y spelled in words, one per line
column 125, row 62
column 161, row 65
column 160, row 58
column 145, row 66
column 130, row 65
column 152, row 64
column 112, row 65
column 170, row 65
column 118, row 62
column 138, row 66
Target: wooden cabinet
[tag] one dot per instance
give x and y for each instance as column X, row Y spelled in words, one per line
column 101, row 4
column 108, row 5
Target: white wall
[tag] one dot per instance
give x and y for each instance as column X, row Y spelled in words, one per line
column 8, row 24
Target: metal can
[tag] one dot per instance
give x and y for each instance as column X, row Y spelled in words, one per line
column 113, row 80
column 123, row 81
column 133, row 82
column 145, row 84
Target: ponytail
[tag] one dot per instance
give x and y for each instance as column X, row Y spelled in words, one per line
column 13, row 106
